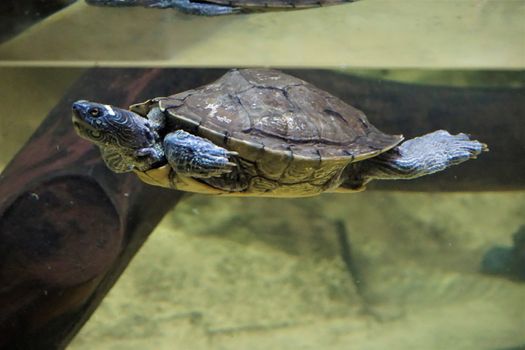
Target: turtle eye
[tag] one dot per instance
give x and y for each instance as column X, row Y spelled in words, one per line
column 94, row 112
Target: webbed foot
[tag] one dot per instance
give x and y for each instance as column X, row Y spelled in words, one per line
column 426, row 154
column 193, row 8
column 195, row 156
column 186, row 6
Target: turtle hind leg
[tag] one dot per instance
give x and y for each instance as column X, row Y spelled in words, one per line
column 422, row 155
column 194, row 8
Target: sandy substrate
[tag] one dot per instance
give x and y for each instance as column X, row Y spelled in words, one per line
column 268, row 274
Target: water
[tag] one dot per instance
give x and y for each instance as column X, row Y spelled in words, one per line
column 371, row 33
column 237, row 273
column 269, row 274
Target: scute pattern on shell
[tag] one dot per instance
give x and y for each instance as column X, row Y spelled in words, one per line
column 292, row 138
column 275, row 111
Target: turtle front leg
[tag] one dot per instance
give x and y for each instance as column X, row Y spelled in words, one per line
column 195, row 156
column 195, row 8
column 421, row 156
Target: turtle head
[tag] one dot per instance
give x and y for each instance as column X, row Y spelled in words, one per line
column 106, row 125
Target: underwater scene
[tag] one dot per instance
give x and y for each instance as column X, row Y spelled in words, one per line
column 277, row 174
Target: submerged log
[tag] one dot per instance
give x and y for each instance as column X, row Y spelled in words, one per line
column 69, row 226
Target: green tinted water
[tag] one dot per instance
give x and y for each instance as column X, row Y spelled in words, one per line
column 228, row 273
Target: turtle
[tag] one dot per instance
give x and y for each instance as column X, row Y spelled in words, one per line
column 220, row 7
column 260, row 132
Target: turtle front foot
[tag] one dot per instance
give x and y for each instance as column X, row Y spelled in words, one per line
column 194, row 8
column 428, row 154
column 195, row 156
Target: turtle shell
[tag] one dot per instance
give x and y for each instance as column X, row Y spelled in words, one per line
column 290, row 135
column 268, row 4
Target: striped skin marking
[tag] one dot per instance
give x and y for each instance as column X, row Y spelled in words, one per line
column 110, row 110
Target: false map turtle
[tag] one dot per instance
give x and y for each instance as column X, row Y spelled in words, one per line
column 260, row 132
